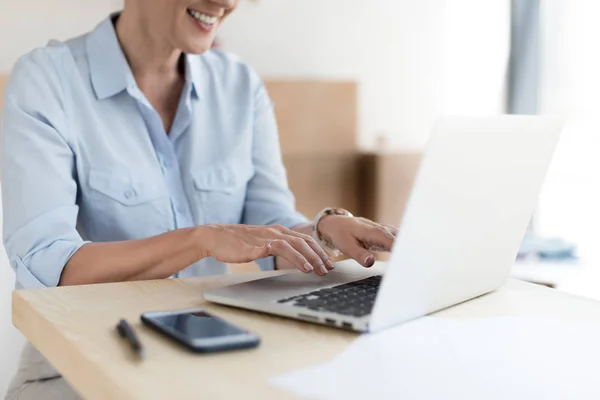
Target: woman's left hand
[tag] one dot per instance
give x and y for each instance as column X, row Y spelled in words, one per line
column 357, row 238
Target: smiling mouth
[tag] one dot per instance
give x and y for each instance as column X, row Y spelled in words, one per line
column 203, row 18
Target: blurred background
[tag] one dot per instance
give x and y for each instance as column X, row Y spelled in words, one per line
column 357, row 86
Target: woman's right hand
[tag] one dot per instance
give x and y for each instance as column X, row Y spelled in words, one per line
column 244, row 243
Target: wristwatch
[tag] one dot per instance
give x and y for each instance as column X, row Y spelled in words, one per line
column 329, row 248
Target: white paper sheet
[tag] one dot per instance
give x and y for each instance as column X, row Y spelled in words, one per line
column 441, row 358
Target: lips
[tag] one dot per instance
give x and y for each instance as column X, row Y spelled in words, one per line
column 203, row 18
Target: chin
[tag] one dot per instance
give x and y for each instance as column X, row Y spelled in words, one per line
column 197, row 47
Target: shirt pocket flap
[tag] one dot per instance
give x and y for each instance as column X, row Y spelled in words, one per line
column 223, row 178
column 121, row 186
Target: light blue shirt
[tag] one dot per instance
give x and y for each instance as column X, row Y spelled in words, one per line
column 86, row 157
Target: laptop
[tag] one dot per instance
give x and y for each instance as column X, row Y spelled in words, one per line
column 470, row 206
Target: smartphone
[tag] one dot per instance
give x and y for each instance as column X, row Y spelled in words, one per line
column 200, row 331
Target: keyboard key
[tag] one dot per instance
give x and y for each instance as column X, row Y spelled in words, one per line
column 355, row 298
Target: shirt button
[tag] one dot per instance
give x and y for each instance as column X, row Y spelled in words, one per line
column 129, row 194
column 14, row 264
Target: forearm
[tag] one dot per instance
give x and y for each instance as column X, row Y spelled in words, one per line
column 157, row 257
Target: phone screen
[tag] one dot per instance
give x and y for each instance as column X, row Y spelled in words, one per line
column 198, row 325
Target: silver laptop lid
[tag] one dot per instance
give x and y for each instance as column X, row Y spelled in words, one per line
column 474, row 195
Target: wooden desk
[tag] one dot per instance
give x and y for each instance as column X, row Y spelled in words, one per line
column 74, row 328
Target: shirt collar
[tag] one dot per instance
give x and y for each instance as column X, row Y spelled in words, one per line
column 109, row 70
column 193, row 72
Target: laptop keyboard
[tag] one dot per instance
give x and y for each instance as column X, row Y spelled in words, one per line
column 355, row 298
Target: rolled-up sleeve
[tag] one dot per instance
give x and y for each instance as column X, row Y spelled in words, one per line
column 39, row 187
column 268, row 200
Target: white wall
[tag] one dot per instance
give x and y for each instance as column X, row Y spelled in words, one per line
column 413, row 59
column 25, row 25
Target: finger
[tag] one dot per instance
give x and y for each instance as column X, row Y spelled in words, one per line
column 315, row 247
column 249, row 252
column 391, row 229
column 281, row 232
column 303, row 248
column 354, row 249
column 367, row 221
column 285, row 250
column 258, row 252
column 377, row 236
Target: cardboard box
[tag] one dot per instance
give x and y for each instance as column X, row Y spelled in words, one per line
column 315, row 117
column 320, row 181
column 386, row 180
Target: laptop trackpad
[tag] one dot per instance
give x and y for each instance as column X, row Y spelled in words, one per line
column 279, row 287
column 284, row 286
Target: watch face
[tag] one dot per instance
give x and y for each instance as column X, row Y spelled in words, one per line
column 338, row 211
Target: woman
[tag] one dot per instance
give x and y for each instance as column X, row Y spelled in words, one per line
column 136, row 152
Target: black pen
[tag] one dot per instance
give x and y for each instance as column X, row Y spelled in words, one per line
column 126, row 331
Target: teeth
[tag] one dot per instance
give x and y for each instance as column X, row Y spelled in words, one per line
column 204, row 18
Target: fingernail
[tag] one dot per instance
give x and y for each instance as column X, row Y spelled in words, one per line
column 330, row 265
column 324, row 268
column 369, row 261
column 308, row 267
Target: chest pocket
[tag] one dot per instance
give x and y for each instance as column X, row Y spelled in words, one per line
column 120, row 186
column 128, row 205
column 221, row 192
